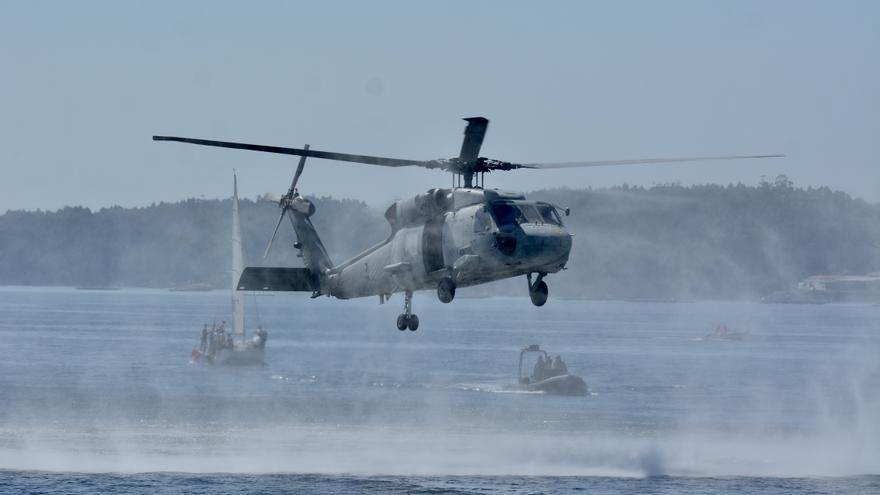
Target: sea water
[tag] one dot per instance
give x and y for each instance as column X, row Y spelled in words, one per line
column 98, row 394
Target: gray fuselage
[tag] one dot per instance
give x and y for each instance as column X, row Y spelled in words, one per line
column 469, row 234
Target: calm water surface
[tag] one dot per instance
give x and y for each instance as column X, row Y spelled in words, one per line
column 98, row 395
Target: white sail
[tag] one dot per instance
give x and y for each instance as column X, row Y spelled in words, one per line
column 237, row 265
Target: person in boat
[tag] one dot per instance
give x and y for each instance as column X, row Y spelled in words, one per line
column 229, row 342
column 222, row 333
column 264, row 336
column 212, row 342
column 540, row 370
column 203, row 343
column 559, row 366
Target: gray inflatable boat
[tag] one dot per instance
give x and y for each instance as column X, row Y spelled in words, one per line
column 549, row 376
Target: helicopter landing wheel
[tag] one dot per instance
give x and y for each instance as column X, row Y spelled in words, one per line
column 446, row 290
column 407, row 319
column 539, row 294
column 413, row 323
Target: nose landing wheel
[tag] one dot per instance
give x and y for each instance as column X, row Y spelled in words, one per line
column 407, row 319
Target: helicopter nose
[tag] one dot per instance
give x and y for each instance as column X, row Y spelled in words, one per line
column 547, row 246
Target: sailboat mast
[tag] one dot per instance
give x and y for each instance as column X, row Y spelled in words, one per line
column 237, row 265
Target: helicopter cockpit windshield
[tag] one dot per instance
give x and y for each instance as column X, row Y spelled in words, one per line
column 548, row 213
column 509, row 214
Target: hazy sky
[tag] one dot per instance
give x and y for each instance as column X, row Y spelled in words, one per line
column 86, row 84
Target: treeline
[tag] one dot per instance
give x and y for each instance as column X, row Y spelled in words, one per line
column 165, row 244
column 711, row 241
column 662, row 242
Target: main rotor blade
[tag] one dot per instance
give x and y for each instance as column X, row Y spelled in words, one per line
column 327, row 155
column 602, row 163
column 299, row 171
column 275, row 232
column 473, row 138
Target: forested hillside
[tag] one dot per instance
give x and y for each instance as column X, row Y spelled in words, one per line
column 630, row 242
column 713, row 241
column 166, row 244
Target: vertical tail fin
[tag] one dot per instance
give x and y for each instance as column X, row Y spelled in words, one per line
column 309, row 243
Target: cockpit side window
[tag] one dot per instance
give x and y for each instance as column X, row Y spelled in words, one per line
column 549, row 215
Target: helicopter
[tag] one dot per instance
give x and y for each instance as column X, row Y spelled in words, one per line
column 440, row 240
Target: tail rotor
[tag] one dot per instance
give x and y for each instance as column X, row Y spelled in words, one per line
column 285, row 202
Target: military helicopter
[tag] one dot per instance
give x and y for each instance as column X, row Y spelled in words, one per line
column 440, row 240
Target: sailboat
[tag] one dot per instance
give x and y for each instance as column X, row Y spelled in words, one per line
column 243, row 351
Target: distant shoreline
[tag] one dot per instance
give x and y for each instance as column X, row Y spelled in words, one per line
column 427, row 293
